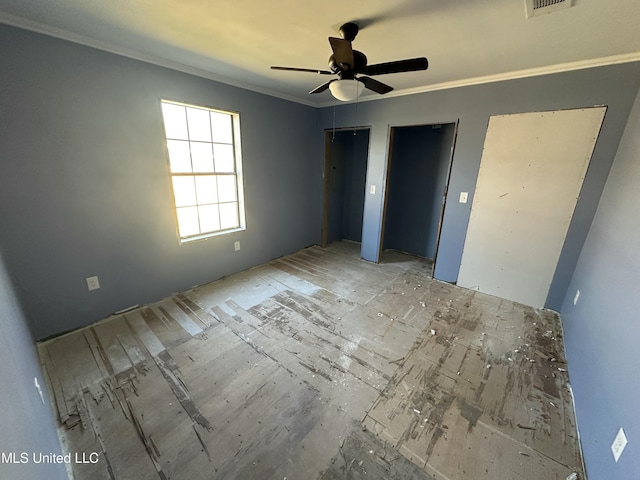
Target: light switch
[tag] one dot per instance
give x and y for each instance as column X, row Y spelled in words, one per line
column 372, row 189
column 463, row 197
column 93, row 283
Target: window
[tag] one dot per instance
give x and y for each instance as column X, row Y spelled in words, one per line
column 204, row 160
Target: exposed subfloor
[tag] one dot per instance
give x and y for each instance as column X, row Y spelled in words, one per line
column 318, row 365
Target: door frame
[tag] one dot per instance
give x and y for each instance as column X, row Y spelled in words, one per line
column 386, row 192
column 445, row 194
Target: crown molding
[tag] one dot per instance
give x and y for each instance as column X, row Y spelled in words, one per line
column 59, row 33
column 500, row 77
column 173, row 65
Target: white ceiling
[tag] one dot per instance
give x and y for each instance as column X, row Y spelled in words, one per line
column 466, row 41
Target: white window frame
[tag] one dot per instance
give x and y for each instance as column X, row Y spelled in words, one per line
column 202, row 207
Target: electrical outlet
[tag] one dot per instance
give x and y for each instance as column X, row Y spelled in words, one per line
column 617, row 447
column 464, row 196
column 575, row 299
column 93, row 283
column 236, row 246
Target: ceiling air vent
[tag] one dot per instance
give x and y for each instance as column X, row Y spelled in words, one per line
column 540, row 7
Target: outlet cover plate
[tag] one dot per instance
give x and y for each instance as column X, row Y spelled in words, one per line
column 236, row 246
column 618, row 445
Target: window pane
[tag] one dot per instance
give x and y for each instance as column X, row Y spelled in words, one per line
column 202, row 157
column 221, row 127
column 175, row 121
column 223, row 155
column 229, row 215
column 179, row 156
column 202, row 164
column 209, row 218
column 184, row 190
column 206, row 189
column 199, row 127
column 188, row 221
column 226, row 188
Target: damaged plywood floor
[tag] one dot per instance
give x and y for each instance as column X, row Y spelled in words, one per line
column 318, row 365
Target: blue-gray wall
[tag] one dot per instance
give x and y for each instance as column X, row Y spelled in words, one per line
column 602, row 331
column 85, row 190
column 418, row 171
column 614, row 86
column 26, row 421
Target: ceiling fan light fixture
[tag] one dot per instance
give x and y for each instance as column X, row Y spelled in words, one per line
column 346, row 90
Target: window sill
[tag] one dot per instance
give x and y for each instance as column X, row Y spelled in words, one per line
column 206, row 236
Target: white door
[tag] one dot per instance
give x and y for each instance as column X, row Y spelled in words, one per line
column 531, row 173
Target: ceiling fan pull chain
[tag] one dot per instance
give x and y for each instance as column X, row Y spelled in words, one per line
column 333, row 137
column 357, row 98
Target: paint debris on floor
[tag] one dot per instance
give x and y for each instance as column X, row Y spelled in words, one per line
column 318, row 365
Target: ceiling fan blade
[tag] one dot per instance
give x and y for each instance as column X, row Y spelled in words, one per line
column 311, row 70
column 322, row 87
column 342, row 52
column 375, row 85
column 410, row 65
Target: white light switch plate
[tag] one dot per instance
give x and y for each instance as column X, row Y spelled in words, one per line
column 617, row 447
column 93, row 283
column 464, row 196
column 372, row 189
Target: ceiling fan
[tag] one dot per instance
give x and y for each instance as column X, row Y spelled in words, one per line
column 350, row 65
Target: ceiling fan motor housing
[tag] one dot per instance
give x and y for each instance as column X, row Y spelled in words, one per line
column 349, row 31
column 347, row 71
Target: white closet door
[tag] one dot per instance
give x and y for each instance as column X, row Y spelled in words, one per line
column 531, row 173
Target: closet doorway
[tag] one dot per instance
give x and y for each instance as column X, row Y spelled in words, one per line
column 418, row 174
column 345, row 173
